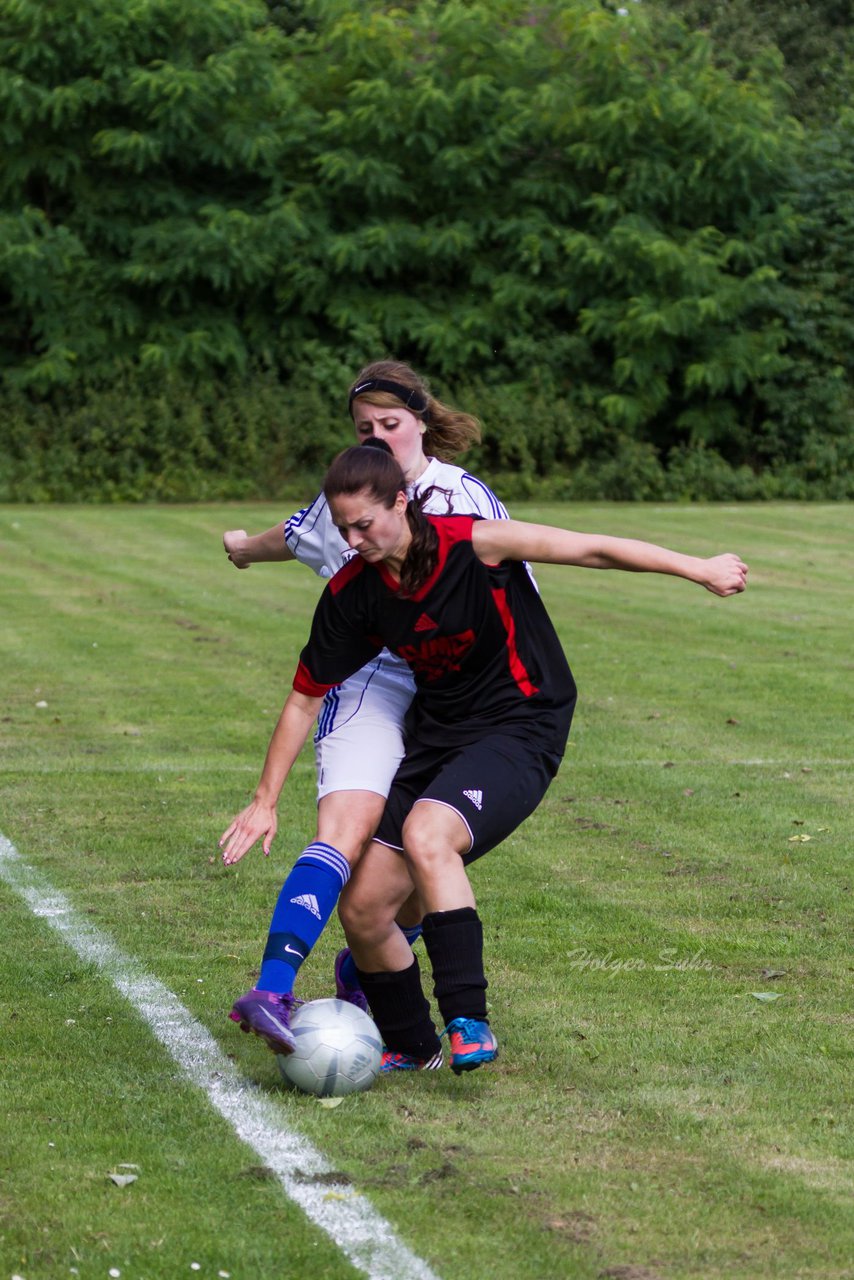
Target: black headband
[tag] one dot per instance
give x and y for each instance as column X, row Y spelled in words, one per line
column 411, row 397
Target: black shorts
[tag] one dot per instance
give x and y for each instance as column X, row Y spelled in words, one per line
column 494, row 784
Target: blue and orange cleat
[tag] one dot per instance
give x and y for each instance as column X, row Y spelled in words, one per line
column 268, row 1015
column 403, row 1062
column 472, row 1044
column 351, row 994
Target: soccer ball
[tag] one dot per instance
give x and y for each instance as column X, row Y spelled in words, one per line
column 338, row 1049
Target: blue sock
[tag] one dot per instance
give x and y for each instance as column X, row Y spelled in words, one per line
column 306, row 902
column 348, row 972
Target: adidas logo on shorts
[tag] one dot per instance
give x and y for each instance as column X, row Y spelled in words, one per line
column 476, row 798
column 308, row 901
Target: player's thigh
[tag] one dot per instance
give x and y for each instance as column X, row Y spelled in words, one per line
column 492, row 786
column 361, row 754
column 417, row 770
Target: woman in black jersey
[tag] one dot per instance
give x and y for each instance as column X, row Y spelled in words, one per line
column 484, row 735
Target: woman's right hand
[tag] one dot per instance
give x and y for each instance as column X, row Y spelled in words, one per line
column 234, row 541
column 257, row 821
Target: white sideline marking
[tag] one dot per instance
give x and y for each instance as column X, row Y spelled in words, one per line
column 362, row 1235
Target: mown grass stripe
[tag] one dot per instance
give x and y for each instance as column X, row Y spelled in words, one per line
column 362, row 1234
column 74, row 770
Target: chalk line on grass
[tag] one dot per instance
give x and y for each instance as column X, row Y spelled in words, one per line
column 362, row 1234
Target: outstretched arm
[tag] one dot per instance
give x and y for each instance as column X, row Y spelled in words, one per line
column 258, row 819
column 496, row 540
column 244, row 549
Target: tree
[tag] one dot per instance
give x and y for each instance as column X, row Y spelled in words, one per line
column 577, row 202
column 810, row 407
column 147, row 183
column 814, row 38
column 550, row 194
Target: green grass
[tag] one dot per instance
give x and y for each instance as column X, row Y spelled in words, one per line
column 647, row 1112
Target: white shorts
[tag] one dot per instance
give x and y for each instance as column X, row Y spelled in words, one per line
column 359, row 741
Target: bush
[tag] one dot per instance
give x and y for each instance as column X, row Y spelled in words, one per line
column 185, row 440
column 182, row 441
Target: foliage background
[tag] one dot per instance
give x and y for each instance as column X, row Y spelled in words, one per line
column 621, row 237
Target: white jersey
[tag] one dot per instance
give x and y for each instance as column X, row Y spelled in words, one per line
column 313, row 539
column 359, row 739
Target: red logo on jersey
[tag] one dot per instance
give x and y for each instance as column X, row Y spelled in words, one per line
column 425, row 623
column 434, row 658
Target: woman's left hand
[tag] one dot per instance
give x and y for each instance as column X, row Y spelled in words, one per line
column 257, row 821
column 725, row 575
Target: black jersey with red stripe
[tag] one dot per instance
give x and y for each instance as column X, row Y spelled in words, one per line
column 479, row 642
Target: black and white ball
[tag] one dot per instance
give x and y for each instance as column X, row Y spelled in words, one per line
column 338, row 1049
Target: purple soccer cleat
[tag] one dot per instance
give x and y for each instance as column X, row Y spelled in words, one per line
column 350, row 994
column 268, row 1015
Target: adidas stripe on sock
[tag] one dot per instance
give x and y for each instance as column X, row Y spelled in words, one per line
column 305, row 903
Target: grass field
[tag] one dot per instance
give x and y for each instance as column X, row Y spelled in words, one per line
column 650, row 1115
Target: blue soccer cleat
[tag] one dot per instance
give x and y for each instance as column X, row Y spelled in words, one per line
column 472, row 1044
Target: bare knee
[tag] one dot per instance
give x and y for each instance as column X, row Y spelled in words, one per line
column 377, row 889
column 358, row 916
column 434, row 840
column 365, row 915
column 430, row 840
column 347, row 820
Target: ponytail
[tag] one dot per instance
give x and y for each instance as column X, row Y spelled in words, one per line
column 423, row 554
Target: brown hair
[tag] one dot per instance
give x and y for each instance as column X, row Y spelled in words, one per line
column 448, row 433
column 372, row 466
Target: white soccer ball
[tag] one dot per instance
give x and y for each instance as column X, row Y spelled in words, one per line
column 338, row 1049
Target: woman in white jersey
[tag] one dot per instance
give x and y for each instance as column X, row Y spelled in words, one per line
column 359, row 737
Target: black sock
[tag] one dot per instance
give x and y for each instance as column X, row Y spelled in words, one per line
column 401, row 1012
column 454, row 942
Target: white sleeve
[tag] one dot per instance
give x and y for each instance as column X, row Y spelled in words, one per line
column 483, row 500
column 460, row 492
column 313, row 539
